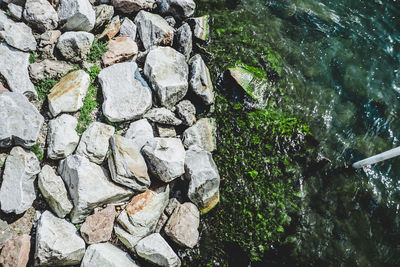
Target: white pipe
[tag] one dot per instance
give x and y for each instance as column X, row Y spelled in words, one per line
column 377, row 158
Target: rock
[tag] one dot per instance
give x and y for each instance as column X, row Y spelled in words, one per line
column 203, row 134
column 129, row 6
column 15, row 252
column 200, row 27
column 99, row 226
column 3, row 89
column 75, row 46
column 165, row 158
column 128, row 240
column 157, row 251
column 68, row 94
column 183, row 40
column 53, row 190
column 17, row 2
column 62, row 138
column 21, row 121
column 127, row 165
column 49, row 69
column 106, row 254
column 57, row 242
column 48, row 42
column 126, row 97
column 76, row 15
column 172, row 205
column 167, row 72
column 153, row 29
column 104, row 14
column 95, row 142
column 128, row 28
column 204, row 178
column 141, row 132
column 161, row 222
column 200, row 81
column 186, row 112
column 111, row 30
column 24, row 40
column 119, row 49
column 183, row 224
column 162, row 115
column 179, row 9
column 171, row 21
column 40, row 15
column 17, row 191
column 89, row 186
column 166, row 130
column 17, row 78
column 15, row 11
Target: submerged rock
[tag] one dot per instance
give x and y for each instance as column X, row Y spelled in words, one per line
column 186, row 112
column 49, row 69
column 119, row 49
column 179, row 9
column 99, row 226
column 163, row 116
column 106, row 254
column 203, row 134
column 200, row 81
column 40, row 15
column 140, row 132
column 76, row 15
column 183, row 40
column 75, row 46
column 15, row 251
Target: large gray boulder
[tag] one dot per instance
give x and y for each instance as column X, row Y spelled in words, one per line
column 183, row 40
column 140, row 131
column 57, row 242
column 128, row 28
column 89, row 186
column 163, row 116
column 40, row 15
column 202, row 133
column 17, row 191
column 49, row 69
column 129, row 6
column 75, row 46
column 200, row 80
column 76, row 15
column 179, row 9
column 126, row 95
column 167, row 71
column 186, row 112
column 106, row 254
column 20, row 121
column 165, row 158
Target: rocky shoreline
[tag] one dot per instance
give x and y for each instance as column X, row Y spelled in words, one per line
column 109, row 165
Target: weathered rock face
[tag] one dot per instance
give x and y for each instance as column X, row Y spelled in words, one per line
column 119, row 49
column 127, row 165
column 125, row 96
column 128, row 240
column 15, row 251
column 153, row 29
column 200, row 27
column 172, row 205
column 75, row 46
column 95, row 142
column 203, row 134
column 48, row 42
column 17, row 78
column 200, row 81
column 89, row 186
column 129, row 6
column 17, row 191
column 104, row 14
column 21, row 121
column 186, row 112
column 62, row 138
column 40, row 15
column 53, row 190
column 157, row 251
column 111, row 29
column 162, row 115
column 106, row 254
column 204, row 178
column 49, row 69
column 99, row 226
column 161, row 222
column 165, row 158
column 179, row 9
column 167, row 71
column 15, row 11
column 140, row 132
column 128, row 28
column 76, row 15
column 57, row 242
column 183, row 40
column 183, row 224
column 165, row 130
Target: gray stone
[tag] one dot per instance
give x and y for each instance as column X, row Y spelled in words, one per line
column 203, row 134
column 20, row 121
column 62, row 138
column 106, row 255
column 172, row 205
column 126, row 96
column 17, row 2
column 40, row 15
column 162, row 115
column 128, row 28
column 48, row 42
column 186, row 112
column 75, row 46
column 94, row 143
column 157, row 251
column 200, row 27
column 200, row 80
column 17, row 191
column 128, row 240
column 53, row 190
column 153, row 29
column 57, row 242
column 49, row 69
column 76, row 15
column 165, row 158
column 24, row 40
column 141, row 132
column 171, row 21
column 167, row 71
column 104, row 14
column 166, row 130
column 183, row 40
column 161, row 222
column 15, row 11
column 179, row 9
column 129, row 6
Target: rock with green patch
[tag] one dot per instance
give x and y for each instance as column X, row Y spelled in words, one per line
column 200, row 81
column 75, row 46
column 200, row 27
column 202, row 133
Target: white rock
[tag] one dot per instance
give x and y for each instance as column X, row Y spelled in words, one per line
column 163, row 116
column 75, row 46
column 203, row 134
column 186, row 112
column 128, row 28
column 76, row 15
column 107, row 255
column 24, row 40
column 15, row 11
column 200, row 80
column 179, row 9
column 104, row 14
column 40, row 15
column 140, row 131
column 183, row 40
column 129, row 6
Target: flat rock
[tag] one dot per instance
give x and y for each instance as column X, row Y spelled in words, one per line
column 89, row 186
column 179, row 9
column 40, row 15
column 15, row 251
column 106, row 254
column 153, row 29
column 62, row 138
column 57, row 242
column 202, row 133
column 129, row 6
column 119, row 49
column 183, row 40
column 76, row 15
column 104, row 14
column 162, row 115
column 21, row 121
column 94, row 142
column 167, row 71
column 200, row 80
column 166, row 130
column 53, row 190
column 200, row 27
column 75, row 46
column 126, row 96
column 128, row 28
column 165, row 158
column 186, row 112
column 17, row 191
column 49, row 69
column 15, row 11
column 140, row 132
column 99, row 226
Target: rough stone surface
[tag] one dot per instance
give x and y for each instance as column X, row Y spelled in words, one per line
column 167, row 71
column 20, row 121
column 179, row 9
column 153, row 29
column 15, row 252
column 57, row 242
column 111, row 29
column 119, row 49
column 166, row 130
column 62, row 138
column 172, row 205
column 162, row 115
column 200, row 81
column 75, row 46
column 140, row 131
column 204, row 178
column 157, row 251
column 126, row 95
column 128, row 240
column 76, row 15
column 40, row 15
column 128, row 28
column 183, row 40
column 104, row 14
column 49, row 69
column 68, row 94
column 15, row 11
column 171, row 21
column 106, row 254
column 17, row 191
column 129, row 6
column 95, row 142
column 200, row 27
column 99, row 226
column 48, row 42
column 203, row 134
column 89, row 186
column 53, row 190
column 165, row 158
column 161, row 222
column 186, row 112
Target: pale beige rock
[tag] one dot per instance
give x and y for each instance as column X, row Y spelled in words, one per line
column 111, row 29
column 15, row 252
column 120, row 49
column 99, row 226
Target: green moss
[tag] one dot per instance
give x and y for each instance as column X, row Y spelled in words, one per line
column 43, row 88
column 97, row 50
column 38, row 151
column 32, row 58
